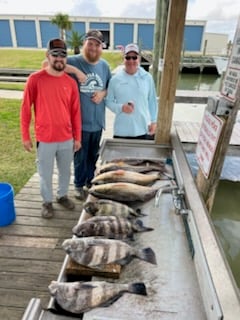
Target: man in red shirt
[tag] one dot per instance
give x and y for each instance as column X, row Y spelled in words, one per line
column 55, row 99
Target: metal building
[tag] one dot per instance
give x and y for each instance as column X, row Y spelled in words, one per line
column 31, row 31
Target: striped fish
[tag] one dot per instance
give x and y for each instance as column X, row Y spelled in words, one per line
column 79, row 297
column 104, row 207
column 95, row 252
column 110, row 227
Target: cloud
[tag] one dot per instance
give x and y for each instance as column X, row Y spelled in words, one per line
column 86, row 8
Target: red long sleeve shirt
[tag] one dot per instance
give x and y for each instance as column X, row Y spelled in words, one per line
column 56, row 107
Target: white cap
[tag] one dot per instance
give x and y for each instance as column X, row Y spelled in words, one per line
column 131, row 47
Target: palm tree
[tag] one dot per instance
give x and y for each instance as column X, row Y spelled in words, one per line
column 63, row 23
column 75, row 41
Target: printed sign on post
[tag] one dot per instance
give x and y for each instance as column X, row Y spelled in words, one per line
column 207, row 141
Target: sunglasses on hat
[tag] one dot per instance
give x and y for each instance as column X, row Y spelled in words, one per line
column 131, row 57
column 58, row 53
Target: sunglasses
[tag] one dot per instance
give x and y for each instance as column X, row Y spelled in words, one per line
column 131, row 57
column 56, row 54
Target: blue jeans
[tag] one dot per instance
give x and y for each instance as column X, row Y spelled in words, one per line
column 85, row 159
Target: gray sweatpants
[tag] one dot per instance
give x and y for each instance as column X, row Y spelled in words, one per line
column 46, row 155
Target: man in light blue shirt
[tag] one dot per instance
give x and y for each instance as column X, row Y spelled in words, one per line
column 132, row 97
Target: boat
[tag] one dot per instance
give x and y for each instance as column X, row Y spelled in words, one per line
column 221, row 63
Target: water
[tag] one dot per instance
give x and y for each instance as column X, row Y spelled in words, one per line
column 226, row 218
column 225, row 213
column 201, row 82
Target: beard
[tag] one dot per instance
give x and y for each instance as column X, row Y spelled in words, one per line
column 91, row 56
column 58, row 66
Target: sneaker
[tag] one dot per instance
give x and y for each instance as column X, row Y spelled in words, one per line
column 66, row 202
column 47, row 210
column 80, row 193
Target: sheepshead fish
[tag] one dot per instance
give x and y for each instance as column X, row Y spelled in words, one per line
column 109, row 227
column 95, row 252
column 126, row 176
column 105, row 207
column 79, row 297
column 125, row 192
column 110, row 166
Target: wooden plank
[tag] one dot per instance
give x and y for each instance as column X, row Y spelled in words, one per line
column 10, row 313
column 54, row 253
column 28, row 242
column 30, row 266
column 21, row 203
column 16, row 280
column 108, row 271
column 40, row 222
column 53, row 232
column 20, row 298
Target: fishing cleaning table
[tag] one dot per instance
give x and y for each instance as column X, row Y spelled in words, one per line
column 191, row 279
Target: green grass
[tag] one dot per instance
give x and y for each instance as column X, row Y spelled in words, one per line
column 16, row 165
column 12, row 86
column 32, row 59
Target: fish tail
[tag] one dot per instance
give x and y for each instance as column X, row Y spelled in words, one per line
column 139, row 227
column 138, row 288
column 147, row 254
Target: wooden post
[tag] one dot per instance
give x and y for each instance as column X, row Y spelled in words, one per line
column 159, row 38
column 231, row 95
column 169, row 77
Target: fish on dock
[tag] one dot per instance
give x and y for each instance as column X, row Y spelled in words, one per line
column 104, row 207
column 79, row 297
column 97, row 252
column 110, row 166
column 123, row 192
column 141, row 161
column 110, row 227
column 127, row 176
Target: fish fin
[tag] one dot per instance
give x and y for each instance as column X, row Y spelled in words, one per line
column 147, row 254
column 124, row 261
column 111, row 300
column 138, row 288
column 139, row 227
column 87, row 286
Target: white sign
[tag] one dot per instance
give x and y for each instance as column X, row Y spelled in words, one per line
column 232, row 77
column 207, row 141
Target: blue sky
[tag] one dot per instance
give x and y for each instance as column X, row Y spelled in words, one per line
column 221, row 15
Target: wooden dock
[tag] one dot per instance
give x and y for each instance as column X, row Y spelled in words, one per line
column 30, row 250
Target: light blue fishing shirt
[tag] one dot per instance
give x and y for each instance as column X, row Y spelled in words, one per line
column 138, row 88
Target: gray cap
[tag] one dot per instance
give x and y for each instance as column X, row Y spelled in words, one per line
column 131, row 47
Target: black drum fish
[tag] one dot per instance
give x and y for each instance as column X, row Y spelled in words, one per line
column 95, row 252
column 110, row 166
column 79, row 297
column 127, row 176
column 125, row 192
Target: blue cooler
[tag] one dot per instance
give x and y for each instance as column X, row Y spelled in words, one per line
column 7, row 208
